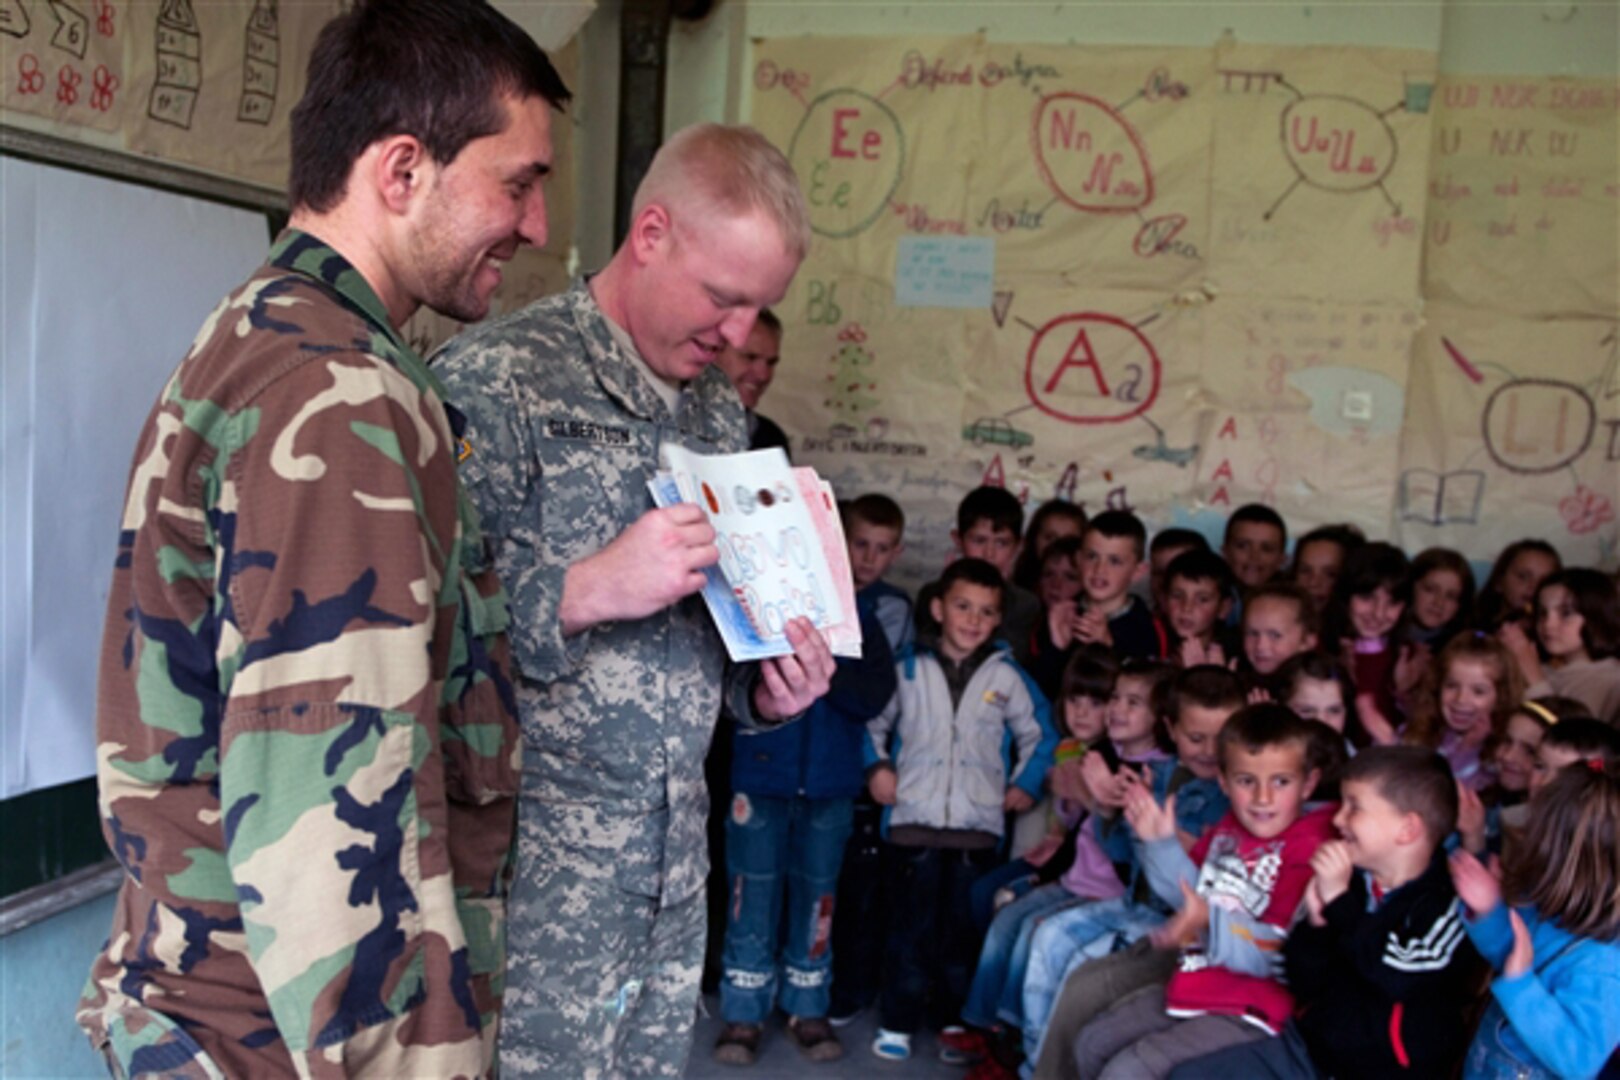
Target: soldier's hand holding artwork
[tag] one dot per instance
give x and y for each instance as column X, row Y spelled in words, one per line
column 657, row 561
column 788, row 685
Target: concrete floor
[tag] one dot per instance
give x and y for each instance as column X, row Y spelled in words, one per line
column 778, row 1058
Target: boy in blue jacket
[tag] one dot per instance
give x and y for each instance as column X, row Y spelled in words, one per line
column 965, row 741
column 792, row 806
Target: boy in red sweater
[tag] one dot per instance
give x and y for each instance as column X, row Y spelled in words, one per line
column 1236, row 895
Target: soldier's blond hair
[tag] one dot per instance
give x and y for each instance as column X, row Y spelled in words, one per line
column 717, row 169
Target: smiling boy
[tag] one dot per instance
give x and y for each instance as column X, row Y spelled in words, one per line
column 1236, row 895
column 1382, row 968
column 936, row 759
column 1256, row 544
column 990, row 526
column 1112, row 556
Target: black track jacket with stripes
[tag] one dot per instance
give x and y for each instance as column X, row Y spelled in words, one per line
column 1386, row 992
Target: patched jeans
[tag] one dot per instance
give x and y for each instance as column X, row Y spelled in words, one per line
column 776, row 847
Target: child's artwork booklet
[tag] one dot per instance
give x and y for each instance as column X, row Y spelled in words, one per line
column 782, row 551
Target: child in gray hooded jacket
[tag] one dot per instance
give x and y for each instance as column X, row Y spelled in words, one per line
column 966, row 740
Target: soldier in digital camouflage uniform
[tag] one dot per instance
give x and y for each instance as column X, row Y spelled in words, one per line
column 307, row 733
column 621, row 673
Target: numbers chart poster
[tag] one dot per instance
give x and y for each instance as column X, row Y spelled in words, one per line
column 208, row 85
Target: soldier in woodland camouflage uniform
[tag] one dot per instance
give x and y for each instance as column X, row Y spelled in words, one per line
column 307, row 732
column 621, row 674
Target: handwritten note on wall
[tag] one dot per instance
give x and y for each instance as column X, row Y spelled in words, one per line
column 934, row 271
column 1524, row 196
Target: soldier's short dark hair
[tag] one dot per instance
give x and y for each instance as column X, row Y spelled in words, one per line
column 435, row 69
column 1412, row 779
column 769, row 320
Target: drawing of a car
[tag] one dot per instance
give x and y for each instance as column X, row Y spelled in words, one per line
column 993, row 429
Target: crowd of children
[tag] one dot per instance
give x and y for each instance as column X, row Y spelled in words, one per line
column 1094, row 807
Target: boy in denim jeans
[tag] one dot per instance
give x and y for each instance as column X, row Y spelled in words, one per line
column 792, row 806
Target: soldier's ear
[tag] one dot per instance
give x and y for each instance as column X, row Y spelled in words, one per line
column 400, row 168
column 650, row 233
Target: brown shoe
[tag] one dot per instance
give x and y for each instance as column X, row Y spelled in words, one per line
column 815, row 1038
column 738, row 1044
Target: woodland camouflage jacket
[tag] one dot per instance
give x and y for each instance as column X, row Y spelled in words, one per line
column 308, row 757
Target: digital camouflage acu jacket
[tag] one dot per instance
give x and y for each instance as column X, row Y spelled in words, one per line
column 307, row 748
column 564, row 433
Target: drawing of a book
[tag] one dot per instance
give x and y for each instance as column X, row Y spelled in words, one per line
column 1436, row 498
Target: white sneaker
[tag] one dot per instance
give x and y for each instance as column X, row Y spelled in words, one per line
column 892, row 1045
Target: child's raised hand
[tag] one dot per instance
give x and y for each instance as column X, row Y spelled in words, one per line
column 1091, row 628
column 881, row 784
column 1331, row 862
column 1470, row 819
column 1314, row 905
column 1186, row 924
column 1068, row 781
column 1147, row 818
column 1373, row 720
column 1522, row 957
column 1060, row 619
column 1259, row 695
column 1475, row 885
column 1517, row 642
column 1194, row 652
column 1410, row 665
column 1016, row 801
column 1098, row 778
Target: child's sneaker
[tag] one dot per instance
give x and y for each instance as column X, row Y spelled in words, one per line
column 892, row 1045
column 841, row 1020
column 962, row 1046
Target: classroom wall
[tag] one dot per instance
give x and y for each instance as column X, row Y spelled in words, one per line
column 1408, row 339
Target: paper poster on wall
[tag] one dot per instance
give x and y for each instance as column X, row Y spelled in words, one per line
column 1513, row 430
column 880, row 151
column 1096, row 161
column 1308, row 403
column 871, row 394
column 204, row 85
column 1524, row 195
column 936, row 271
column 1088, row 396
column 1320, row 167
